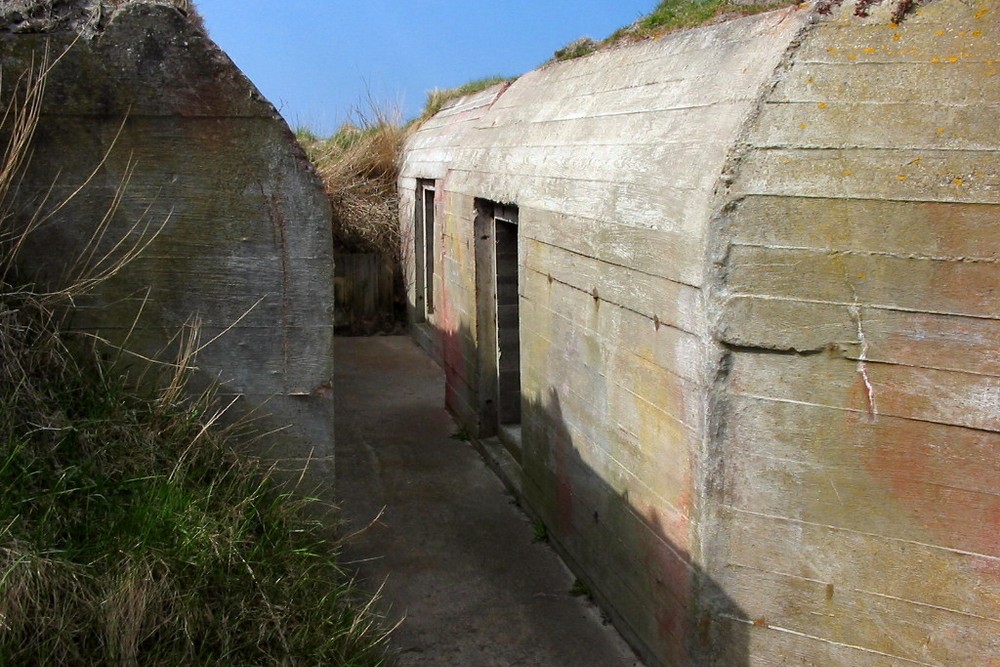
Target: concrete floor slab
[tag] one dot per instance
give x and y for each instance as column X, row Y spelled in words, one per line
column 455, row 553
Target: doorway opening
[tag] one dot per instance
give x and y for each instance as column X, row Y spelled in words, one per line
column 499, row 319
column 423, row 250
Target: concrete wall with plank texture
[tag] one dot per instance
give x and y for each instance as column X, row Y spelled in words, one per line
column 758, row 328
column 243, row 237
column 612, row 161
column 859, row 294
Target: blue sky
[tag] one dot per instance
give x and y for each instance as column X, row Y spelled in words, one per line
column 316, row 60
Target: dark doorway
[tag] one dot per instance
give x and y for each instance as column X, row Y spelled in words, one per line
column 508, row 322
column 499, row 331
column 423, row 250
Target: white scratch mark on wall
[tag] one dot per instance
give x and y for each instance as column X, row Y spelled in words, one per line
column 855, row 310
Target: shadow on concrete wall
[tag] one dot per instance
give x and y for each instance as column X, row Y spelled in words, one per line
column 663, row 602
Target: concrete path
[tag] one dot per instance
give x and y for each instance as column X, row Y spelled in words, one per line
column 454, row 552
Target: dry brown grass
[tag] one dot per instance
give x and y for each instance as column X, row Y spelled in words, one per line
column 359, row 166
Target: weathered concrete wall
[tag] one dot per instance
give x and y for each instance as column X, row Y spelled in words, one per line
column 244, row 236
column 859, row 294
column 758, row 328
column 612, row 161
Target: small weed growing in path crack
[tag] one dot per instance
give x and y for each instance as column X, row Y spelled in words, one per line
column 539, row 532
column 579, row 589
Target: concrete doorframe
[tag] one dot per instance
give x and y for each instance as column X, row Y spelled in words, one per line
column 498, row 323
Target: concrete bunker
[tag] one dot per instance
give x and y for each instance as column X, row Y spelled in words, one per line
column 757, row 276
column 162, row 127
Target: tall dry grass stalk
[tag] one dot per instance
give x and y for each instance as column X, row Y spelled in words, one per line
column 97, row 260
column 20, row 118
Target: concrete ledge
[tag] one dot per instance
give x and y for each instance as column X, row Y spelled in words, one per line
column 503, row 463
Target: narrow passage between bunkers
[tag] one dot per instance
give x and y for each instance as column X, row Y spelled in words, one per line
column 457, row 557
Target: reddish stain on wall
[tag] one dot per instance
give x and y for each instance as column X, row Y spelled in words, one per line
column 671, row 578
column 562, row 450
column 942, row 477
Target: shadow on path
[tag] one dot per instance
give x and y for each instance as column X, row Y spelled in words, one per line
column 456, row 555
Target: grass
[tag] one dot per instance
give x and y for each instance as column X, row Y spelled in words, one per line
column 539, row 531
column 439, row 97
column 306, row 136
column 577, row 49
column 131, row 531
column 359, row 166
column 580, row 589
column 668, row 16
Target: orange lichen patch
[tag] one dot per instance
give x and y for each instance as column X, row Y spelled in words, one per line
column 852, row 56
column 803, row 126
column 940, row 130
column 953, row 59
column 896, row 37
column 901, row 178
column 958, row 182
column 935, row 59
column 821, row 105
column 981, row 13
column 832, row 50
column 976, row 33
column 870, row 50
column 939, row 33
column 848, row 172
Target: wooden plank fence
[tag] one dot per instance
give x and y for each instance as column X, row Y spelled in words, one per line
column 364, row 293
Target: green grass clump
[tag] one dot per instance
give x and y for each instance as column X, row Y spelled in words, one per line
column 579, row 589
column 668, row 16
column 576, row 49
column 132, row 533
column 674, row 14
column 439, row 97
column 539, row 531
column 306, row 136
